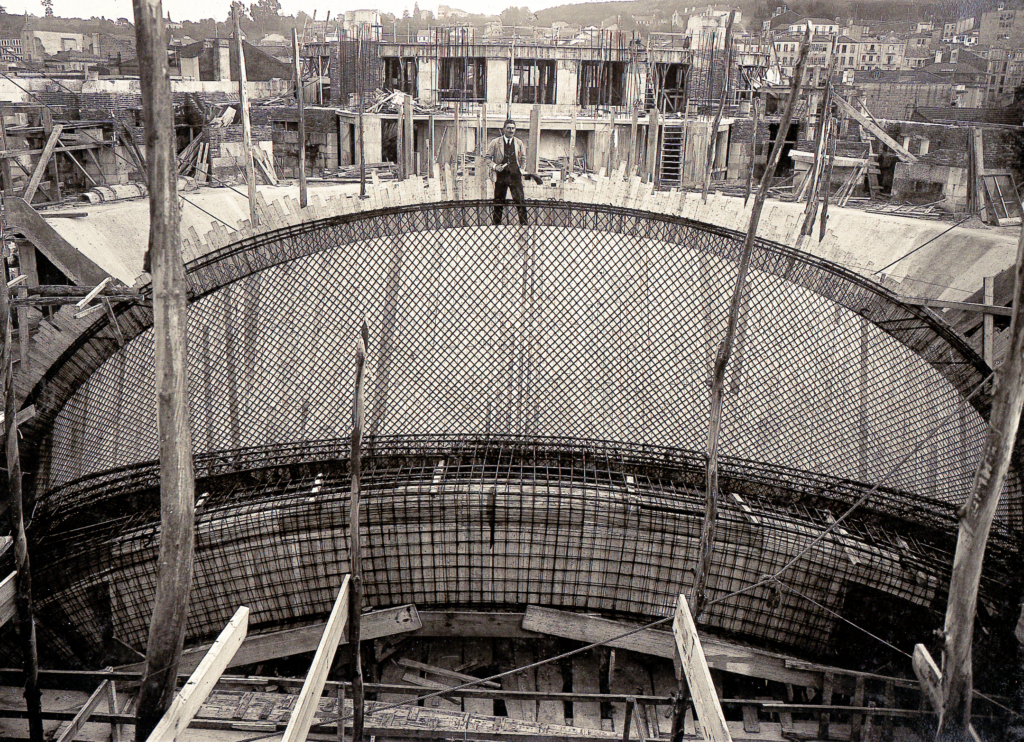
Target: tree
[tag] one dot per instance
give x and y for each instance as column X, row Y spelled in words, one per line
column 48, row 4
column 265, row 11
column 405, row 13
column 416, row 10
column 1018, row 94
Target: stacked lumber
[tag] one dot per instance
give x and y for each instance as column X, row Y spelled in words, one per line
column 384, row 100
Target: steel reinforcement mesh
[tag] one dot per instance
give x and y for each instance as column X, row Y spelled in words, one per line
column 594, row 329
column 491, row 523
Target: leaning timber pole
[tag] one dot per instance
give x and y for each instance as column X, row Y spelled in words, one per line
column 975, row 521
column 707, row 536
column 355, row 602
column 10, row 478
column 177, row 479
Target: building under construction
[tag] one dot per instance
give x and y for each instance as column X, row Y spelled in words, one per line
column 544, row 527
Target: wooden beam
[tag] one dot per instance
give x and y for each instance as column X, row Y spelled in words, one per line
column 82, row 717
column 705, row 548
column 710, row 718
column 7, row 598
column 631, row 155
column 66, row 257
column 652, row 147
column 988, row 326
column 355, row 532
column 40, row 169
column 297, row 63
column 263, row 647
column 177, row 475
column 976, row 517
column 408, row 137
column 720, row 654
column 243, row 99
column 875, row 129
column 190, row 698
column 930, row 677
column 961, row 305
column 11, row 485
column 309, row 697
column 445, row 673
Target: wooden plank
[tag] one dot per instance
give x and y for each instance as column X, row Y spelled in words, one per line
column 549, row 680
column 309, row 696
column 698, row 676
column 190, row 698
column 82, row 717
column 960, row 305
column 585, row 669
column 720, row 654
column 446, row 673
column 263, row 647
column 7, row 595
column 988, row 325
column 477, row 652
column 824, row 718
column 875, row 129
column 751, row 725
column 533, row 152
column 40, row 169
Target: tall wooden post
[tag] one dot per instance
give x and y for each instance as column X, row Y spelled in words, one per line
column 975, row 521
column 243, row 100
column 302, row 119
column 707, row 536
column 177, row 480
column 631, row 156
column 355, row 604
column 361, row 93
column 10, row 480
column 753, row 149
column 409, row 140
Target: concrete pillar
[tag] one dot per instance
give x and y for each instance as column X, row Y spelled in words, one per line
column 190, row 68
column 497, row 83
column 567, row 82
column 222, row 60
column 372, row 138
column 426, row 79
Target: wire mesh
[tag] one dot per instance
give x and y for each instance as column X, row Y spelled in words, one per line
column 536, row 410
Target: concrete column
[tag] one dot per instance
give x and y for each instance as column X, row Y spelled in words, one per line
column 567, row 73
column 426, row 79
column 372, row 138
column 497, row 83
column 222, row 60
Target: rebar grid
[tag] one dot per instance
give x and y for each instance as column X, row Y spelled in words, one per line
column 493, row 352
column 489, row 524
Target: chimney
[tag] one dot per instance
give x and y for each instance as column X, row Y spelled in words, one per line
column 938, row 56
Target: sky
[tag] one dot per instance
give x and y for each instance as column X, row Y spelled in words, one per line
column 194, row 10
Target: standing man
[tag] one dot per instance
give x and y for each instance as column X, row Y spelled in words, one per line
column 507, row 157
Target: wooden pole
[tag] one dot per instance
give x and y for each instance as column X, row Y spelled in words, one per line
column 572, row 144
column 243, row 99
column 975, row 521
column 707, row 536
column 302, row 119
column 355, row 557
column 361, row 93
column 755, row 104
column 177, row 479
column 408, row 141
column 713, row 139
column 827, row 181
column 10, row 480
